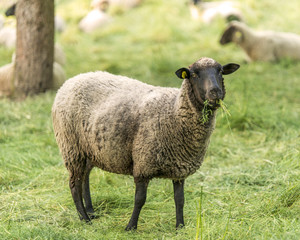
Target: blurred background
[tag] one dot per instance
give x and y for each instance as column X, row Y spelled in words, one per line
column 250, row 177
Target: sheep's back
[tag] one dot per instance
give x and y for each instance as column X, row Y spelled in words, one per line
column 275, row 46
column 101, row 112
column 287, row 46
column 96, row 89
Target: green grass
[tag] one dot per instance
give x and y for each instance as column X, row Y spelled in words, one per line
column 248, row 185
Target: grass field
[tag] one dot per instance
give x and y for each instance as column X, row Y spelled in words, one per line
column 248, row 186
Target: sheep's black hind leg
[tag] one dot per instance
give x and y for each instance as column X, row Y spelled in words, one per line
column 87, row 195
column 139, row 201
column 76, row 190
column 179, row 201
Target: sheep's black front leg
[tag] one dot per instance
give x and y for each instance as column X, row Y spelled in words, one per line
column 87, row 195
column 75, row 183
column 139, row 201
column 179, row 201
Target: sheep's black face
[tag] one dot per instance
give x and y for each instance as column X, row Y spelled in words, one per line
column 233, row 33
column 206, row 78
column 207, row 81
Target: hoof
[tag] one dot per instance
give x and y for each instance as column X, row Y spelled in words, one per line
column 130, row 228
column 93, row 216
column 88, row 220
column 180, row 226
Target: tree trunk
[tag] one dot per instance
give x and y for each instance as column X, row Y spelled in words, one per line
column 34, row 48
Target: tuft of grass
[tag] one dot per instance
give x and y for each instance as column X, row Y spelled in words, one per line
column 224, row 108
column 199, row 227
column 287, row 199
column 206, row 112
column 227, row 225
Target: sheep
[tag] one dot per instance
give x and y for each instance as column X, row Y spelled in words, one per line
column 59, row 54
column 123, row 4
column 8, row 36
column 59, row 76
column 11, row 10
column 7, row 3
column 124, row 126
column 262, row 45
column 2, row 20
column 7, row 33
column 208, row 11
column 95, row 19
column 7, row 78
column 59, row 22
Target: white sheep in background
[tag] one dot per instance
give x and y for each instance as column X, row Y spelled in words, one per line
column 59, row 54
column 123, row 4
column 2, row 20
column 7, row 3
column 208, row 11
column 6, row 76
column 95, row 19
column 8, row 36
column 262, row 45
column 7, row 73
column 59, row 76
column 7, row 32
column 59, row 22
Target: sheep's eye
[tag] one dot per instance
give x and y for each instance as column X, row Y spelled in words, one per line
column 194, row 75
column 220, row 71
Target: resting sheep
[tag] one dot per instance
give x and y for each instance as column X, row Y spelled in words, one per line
column 125, row 126
column 59, row 22
column 7, row 33
column 122, row 4
column 6, row 79
column 2, row 20
column 7, row 73
column 95, row 19
column 262, row 45
column 208, row 11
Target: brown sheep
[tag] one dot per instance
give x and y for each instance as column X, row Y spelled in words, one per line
column 124, row 126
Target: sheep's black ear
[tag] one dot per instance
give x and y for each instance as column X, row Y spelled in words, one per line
column 230, row 68
column 11, row 11
column 183, row 73
column 228, row 34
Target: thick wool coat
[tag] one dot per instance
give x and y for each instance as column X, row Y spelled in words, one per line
column 124, row 126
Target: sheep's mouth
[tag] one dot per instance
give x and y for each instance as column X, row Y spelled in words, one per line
column 213, row 104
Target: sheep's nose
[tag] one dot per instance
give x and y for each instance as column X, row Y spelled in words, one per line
column 214, row 93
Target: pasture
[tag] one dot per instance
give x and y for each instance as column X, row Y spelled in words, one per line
column 248, row 186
